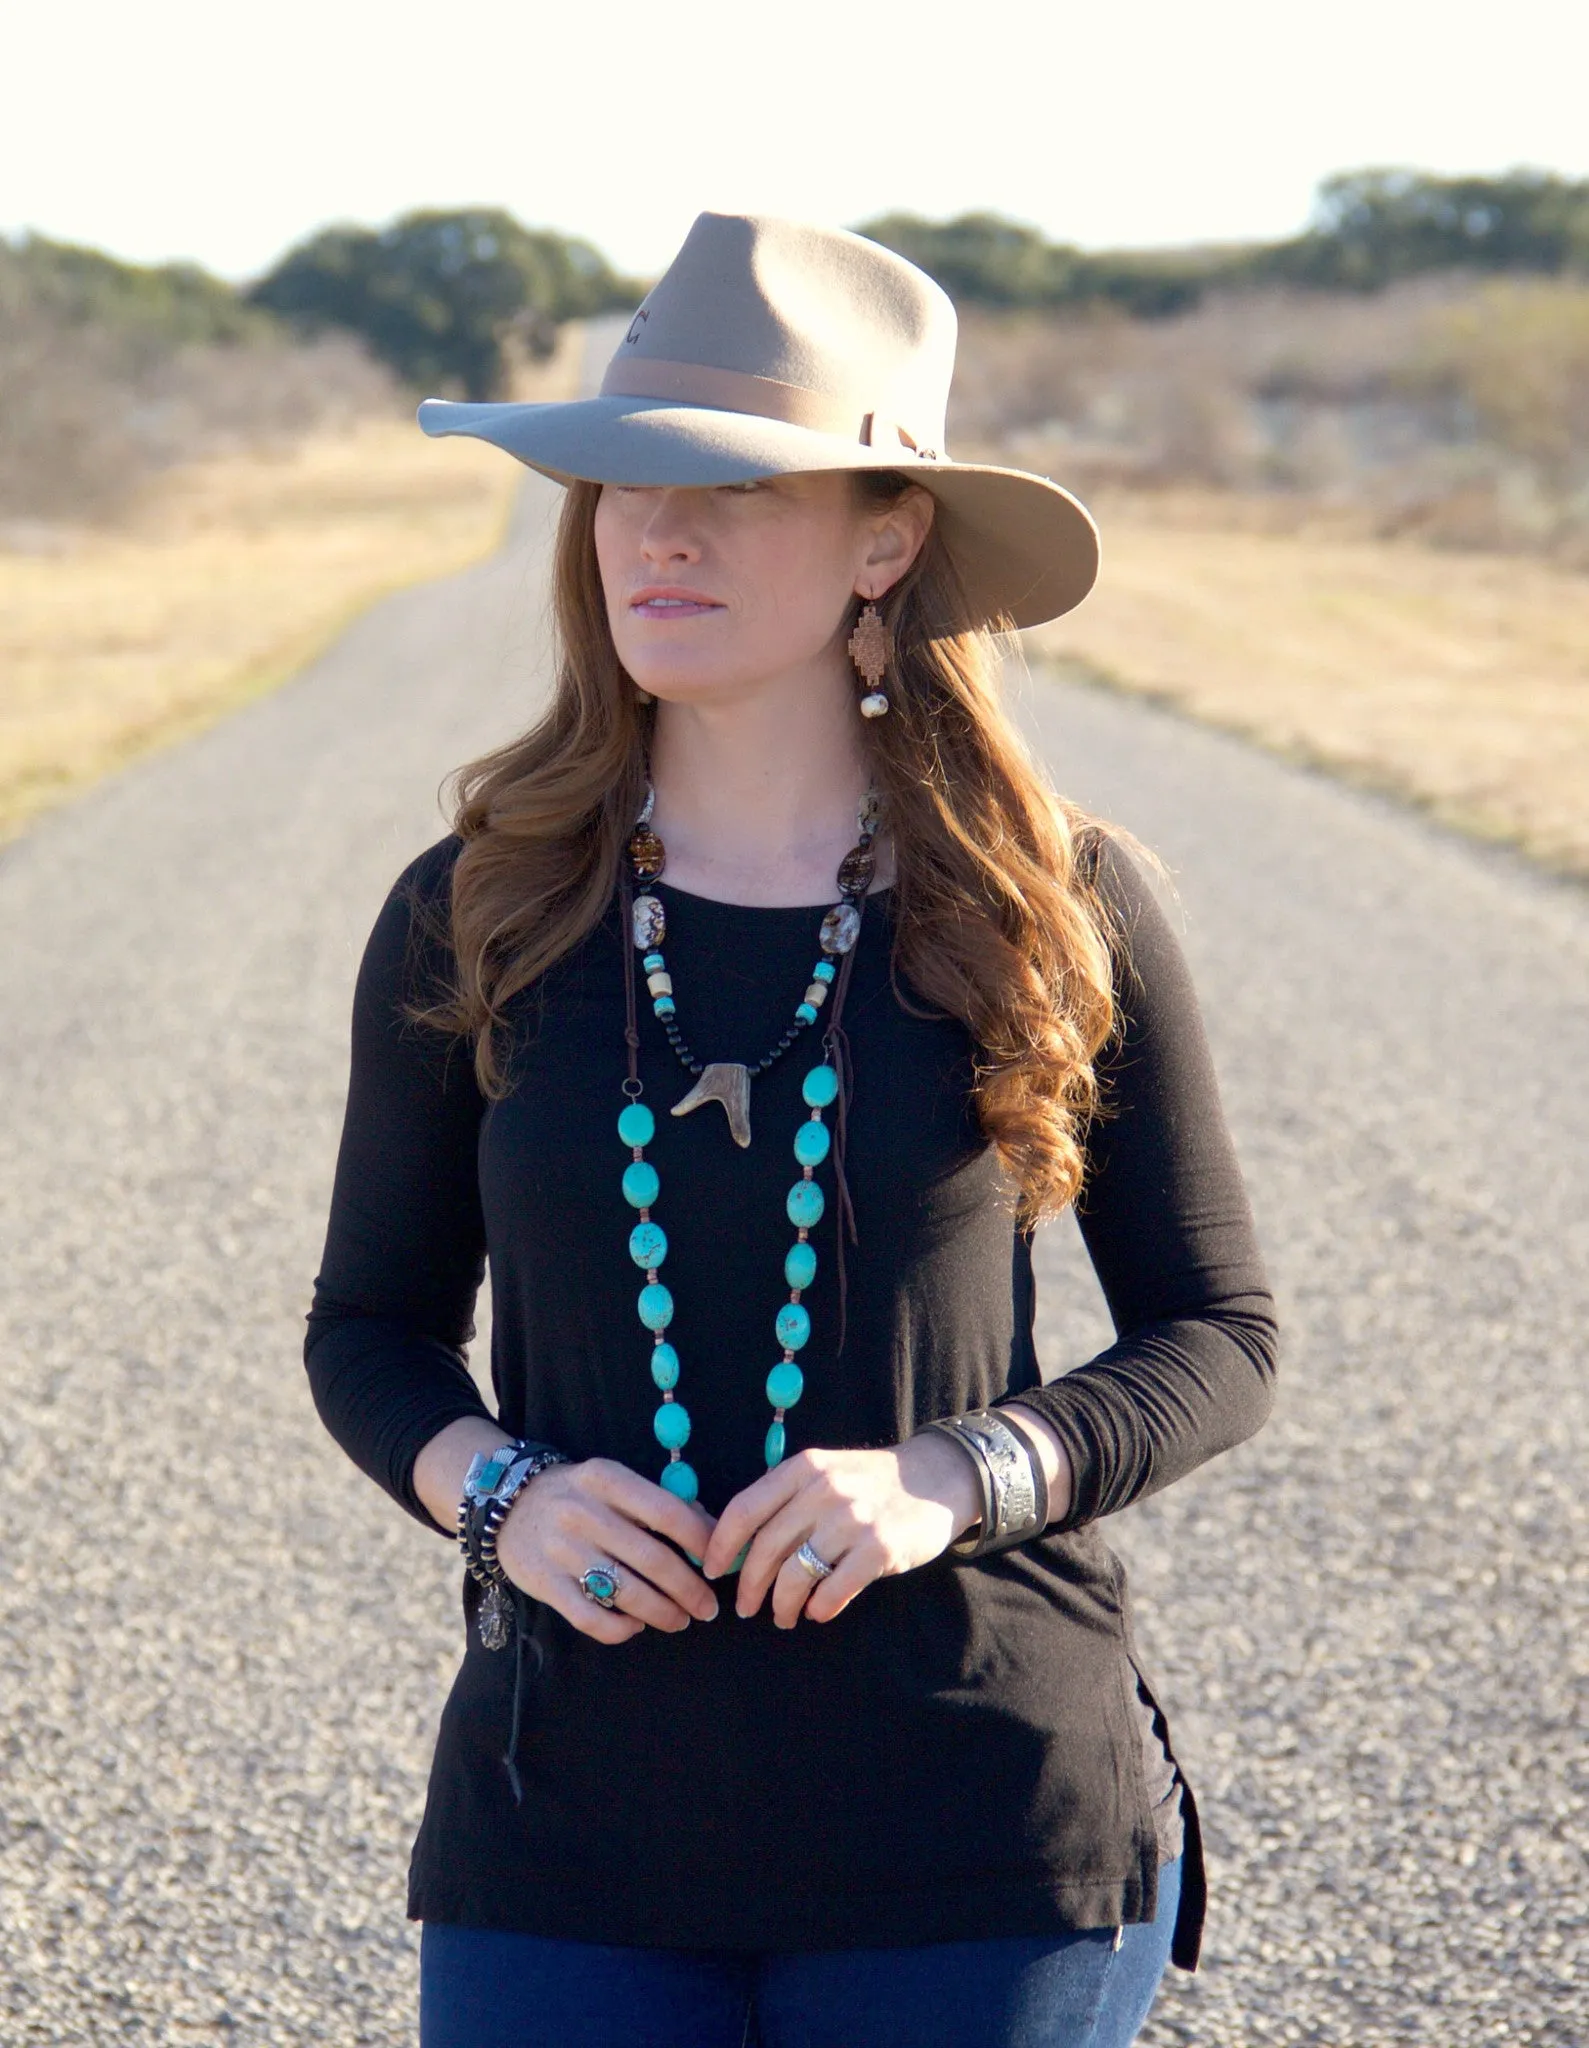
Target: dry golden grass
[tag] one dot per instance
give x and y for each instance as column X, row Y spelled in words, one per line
column 233, row 574
column 1458, row 681
column 224, row 579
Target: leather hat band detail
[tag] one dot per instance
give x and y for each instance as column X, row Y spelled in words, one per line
column 739, row 391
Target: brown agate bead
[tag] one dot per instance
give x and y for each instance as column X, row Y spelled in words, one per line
column 647, row 855
column 856, row 870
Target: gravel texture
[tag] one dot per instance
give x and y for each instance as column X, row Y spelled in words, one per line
column 222, row 1653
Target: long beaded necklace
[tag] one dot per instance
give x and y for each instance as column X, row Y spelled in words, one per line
column 729, row 1082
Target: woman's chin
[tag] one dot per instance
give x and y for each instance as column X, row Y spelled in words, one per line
column 680, row 685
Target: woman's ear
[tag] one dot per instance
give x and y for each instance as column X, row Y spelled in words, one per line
column 898, row 535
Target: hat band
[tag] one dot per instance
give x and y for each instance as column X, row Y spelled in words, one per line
column 739, row 391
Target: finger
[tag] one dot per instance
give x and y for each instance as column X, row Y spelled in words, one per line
column 749, row 1510
column 575, row 1555
column 774, row 1541
column 638, row 1597
column 858, row 1568
column 683, row 1522
column 792, row 1589
column 605, row 1624
column 595, row 1529
column 656, row 1561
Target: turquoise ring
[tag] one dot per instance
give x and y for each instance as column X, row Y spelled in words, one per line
column 600, row 1584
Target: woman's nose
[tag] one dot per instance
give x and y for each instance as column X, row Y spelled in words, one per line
column 669, row 533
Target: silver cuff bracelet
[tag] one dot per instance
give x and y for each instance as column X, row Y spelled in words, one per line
column 1014, row 1493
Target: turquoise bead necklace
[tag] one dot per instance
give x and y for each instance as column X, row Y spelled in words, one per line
column 728, row 1082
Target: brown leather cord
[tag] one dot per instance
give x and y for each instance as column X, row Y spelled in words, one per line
column 526, row 1632
column 631, row 1027
column 836, row 1045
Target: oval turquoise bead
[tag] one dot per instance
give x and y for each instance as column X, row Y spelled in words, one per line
column 672, row 1425
column 776, row 1443
column 793, row 1326
column 664, row 1367
column 679, row 1477
column 800, row 1266
column 641, row 1186
column 805, row 1204
column 648, row 1245
column 785, row 1384
column 636, row 1124
column 811, row 1143
column 656, row 1306
column 820, row 1088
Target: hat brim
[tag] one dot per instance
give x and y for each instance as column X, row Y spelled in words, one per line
column 1025, row 549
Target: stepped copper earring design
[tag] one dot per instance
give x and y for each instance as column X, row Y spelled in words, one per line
column 872, row 649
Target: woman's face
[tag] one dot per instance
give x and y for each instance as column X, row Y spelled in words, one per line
column 713, row 590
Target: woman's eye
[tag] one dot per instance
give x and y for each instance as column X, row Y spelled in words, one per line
column 754, row 483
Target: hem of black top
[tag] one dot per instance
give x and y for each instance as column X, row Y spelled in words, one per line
column 560, row 1908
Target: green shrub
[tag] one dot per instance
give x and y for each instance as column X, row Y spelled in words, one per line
column 444, row 299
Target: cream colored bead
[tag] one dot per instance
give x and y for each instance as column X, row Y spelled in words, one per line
column 660, row 983
column 817, row 994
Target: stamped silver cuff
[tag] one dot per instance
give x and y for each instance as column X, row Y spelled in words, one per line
column 1014, row 1495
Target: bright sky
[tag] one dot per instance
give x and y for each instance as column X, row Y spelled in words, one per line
column 225, row 133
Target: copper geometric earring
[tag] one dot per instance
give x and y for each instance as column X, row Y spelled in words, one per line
column 871, row 648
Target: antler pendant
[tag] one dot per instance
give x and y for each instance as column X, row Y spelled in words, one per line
column 727, row 1082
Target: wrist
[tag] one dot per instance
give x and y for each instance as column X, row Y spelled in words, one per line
column 1050, row 1452
column 1010, row 1475
column 939, row 1470
column 442, row 1463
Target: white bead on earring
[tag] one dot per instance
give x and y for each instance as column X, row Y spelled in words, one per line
column 871, row 648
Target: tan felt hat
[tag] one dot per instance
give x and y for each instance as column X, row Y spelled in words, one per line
column 769, row 347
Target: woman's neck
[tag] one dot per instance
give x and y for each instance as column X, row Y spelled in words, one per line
column 756, row 798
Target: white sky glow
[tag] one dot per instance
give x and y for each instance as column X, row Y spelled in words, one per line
column 174, row 129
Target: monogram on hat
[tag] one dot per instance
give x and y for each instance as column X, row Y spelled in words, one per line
column 770, row 347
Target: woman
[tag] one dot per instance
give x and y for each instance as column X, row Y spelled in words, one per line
column 764, row 989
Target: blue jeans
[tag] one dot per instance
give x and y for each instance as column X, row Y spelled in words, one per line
column 479, row 1989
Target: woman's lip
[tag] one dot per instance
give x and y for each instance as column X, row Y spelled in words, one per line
column 673, row 607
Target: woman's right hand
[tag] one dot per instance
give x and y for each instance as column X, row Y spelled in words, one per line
column 598, row 1512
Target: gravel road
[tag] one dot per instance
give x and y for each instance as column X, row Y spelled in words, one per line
column 224, row 1652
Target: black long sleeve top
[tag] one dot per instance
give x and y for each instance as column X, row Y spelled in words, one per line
column 960, row 1753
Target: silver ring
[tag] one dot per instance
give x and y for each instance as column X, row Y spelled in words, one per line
column 601, row 1584
column 813, row 1566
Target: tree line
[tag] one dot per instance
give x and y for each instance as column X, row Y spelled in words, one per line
column 1370, row 229
column 445, row 300
column 448, row 299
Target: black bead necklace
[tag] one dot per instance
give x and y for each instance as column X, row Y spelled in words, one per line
column 728, row 1081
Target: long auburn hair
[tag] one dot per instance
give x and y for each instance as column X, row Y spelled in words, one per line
column 997, row 921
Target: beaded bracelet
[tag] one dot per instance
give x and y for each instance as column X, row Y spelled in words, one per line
column 1014, row 1491
column 492, row 1485
column 490, row 1488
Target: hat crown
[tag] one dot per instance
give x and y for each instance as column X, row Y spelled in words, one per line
column 847, row 327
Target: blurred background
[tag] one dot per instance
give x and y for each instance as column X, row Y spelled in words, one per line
column 1294, row 305
column 1299, row 304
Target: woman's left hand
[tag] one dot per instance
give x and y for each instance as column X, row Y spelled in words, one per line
column 869, row 1514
